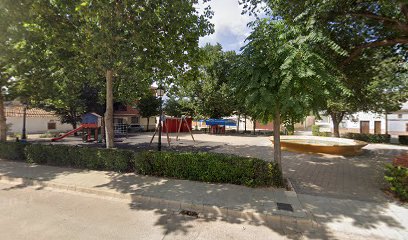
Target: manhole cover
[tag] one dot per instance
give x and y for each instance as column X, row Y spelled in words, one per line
column 285, row 207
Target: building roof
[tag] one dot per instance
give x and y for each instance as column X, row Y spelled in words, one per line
column 18, row 111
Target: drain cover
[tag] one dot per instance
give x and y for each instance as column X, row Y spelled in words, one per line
column 285, row 207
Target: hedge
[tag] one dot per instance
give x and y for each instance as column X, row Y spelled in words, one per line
column 403, row 139
column 80, row 157
column 397, row 177
column 12, row 150
column 209, row 167
column 315, row 130
column 197, row 166
column 371, row 138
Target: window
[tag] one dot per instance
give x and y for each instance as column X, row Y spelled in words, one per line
column 399, row 115
column 406, row 127
column 52, row 125
column 134, row 120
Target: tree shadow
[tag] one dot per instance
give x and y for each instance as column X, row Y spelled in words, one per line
column 362, row 208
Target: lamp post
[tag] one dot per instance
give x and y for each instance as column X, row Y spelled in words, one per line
column 160, row 93
column 24, row 134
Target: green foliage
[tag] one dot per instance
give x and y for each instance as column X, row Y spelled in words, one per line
column 209, row 92
column 403, row 139
column 373, row 32
column 324, row 134
column 397, row 177
column 178, row 107
column 371, row 138
column 209, row 167
column 282, row 68
column 79, row 157
column 63, row 45
column 201, row 166
column 12, row 151
column 148, row 106
column 315, row 130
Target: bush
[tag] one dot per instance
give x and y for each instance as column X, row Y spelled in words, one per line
column 324, row 134
column 315, row 130
column 201, row 166
column 371, row 138
column 403, row 139
column 12, row 150
column 397, row 177
column 209, row 167
column 79, row 157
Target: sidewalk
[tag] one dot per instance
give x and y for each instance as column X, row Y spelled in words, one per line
column 314, row 217
column 257, row 205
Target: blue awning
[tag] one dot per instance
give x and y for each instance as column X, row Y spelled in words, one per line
column 221, row 122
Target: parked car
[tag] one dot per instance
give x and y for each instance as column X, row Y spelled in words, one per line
column 132, row 128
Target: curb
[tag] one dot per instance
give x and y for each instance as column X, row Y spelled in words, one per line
column 277, row 219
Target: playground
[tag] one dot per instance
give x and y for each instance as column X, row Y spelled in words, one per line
column 359, row 176
column 356, row 177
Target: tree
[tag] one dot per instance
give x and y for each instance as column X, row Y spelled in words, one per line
column 178, row 107
column 209, row 92
column 361, row 24
column 131, row 42
column 11, row 15
column 284, row 72
column 372, row 31
column 148, row 107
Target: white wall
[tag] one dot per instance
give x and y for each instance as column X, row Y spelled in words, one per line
column 398, row 125
column 351, row 123
column 35, row 124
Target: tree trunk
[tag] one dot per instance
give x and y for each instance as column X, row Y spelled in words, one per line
column 254, row 120
column 336, row 117
column 148, row 122
column 239, row 118
column 109, row 133
column 74, row 126
column 276, row 140
column 245, row 124
column 3, row 126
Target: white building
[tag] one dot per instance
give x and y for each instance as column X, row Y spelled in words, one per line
column 395, row 123
column 37, row 120
column 398, row 121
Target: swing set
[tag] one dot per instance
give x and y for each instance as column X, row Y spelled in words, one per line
column 166, row 126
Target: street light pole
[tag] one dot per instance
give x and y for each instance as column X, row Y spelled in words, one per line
column 160, row 123
column 23, row 134
column 160, row 93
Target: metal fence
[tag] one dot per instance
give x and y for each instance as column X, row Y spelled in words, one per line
column 120, row 129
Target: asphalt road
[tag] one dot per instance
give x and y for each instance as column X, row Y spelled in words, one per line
column 35, row 213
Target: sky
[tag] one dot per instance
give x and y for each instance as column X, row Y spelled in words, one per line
column 230, row 26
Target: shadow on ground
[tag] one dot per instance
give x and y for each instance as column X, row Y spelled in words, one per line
column 332, row 188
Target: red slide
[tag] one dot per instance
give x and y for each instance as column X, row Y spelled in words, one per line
column 67, row 134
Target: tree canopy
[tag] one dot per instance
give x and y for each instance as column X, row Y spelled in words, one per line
column 284, row 72
column 128, row 44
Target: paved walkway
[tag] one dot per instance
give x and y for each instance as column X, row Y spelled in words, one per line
column 315, row 217
column 213, row 200
column 358, row 177
column 44, row 214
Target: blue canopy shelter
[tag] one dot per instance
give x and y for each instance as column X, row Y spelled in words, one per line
column 220, row 122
